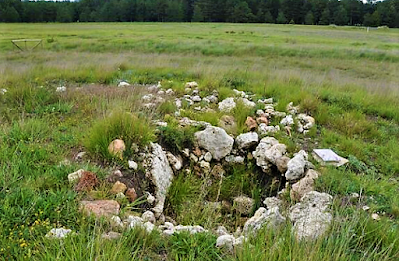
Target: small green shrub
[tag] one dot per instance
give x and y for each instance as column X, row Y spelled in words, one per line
column 167, row 107
column 176, row 138
column 119, row 125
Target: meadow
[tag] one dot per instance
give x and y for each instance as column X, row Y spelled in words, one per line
column 345, row 77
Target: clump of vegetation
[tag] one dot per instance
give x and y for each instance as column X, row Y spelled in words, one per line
column 119, row 125
column 176, row 138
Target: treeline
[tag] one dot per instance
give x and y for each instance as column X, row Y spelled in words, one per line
column 321, row 12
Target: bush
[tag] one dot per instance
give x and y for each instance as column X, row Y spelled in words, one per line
column 119, row 125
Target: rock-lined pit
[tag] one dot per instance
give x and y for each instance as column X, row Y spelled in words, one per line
column 213, row 149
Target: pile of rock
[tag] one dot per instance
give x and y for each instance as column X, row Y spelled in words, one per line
column 213, row 148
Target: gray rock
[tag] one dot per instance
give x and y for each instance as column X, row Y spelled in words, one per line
column 73, row 177
column 247, row 103
column 175, row 162
column 216, row 141
column 231, row 159
column 263, row 129
column 227, row 105
column 272, row 202
column 132, row 165
column 221, row 231
column 247, row 140
column 148, row 216
column 208, row 156
column 296, row 166
column 196, row 98
column 161, row 175
column 270, row 218
column 287, row 121
column 226, row 241
column 312, row 216
column 58, row 233
column 267, row 152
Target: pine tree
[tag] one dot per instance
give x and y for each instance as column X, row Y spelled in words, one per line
column 340, row 16
column 309, row 19
column 325, row 17
column 268, row 17
column 281, row 18
column 10, row 15
column 197, row 15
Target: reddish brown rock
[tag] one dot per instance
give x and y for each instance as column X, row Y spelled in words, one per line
column 131, row 194
column 262, row 119
column 87, row 182
column 100, row 208
column 251, row 124
column 281, row 164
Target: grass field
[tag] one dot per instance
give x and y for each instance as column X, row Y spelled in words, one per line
column 345, row 77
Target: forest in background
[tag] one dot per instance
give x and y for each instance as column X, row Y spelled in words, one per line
column 311, row 12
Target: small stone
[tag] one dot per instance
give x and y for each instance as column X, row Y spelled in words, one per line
column 226, row 241
column 116, row 148
column 366, row 208
column 375, row 216
column 118, row 187
column 247, row 140
column 251, row 124
column 131, row 194
column 111, row 235
column 123, row 84
column 175, row 162
column 3, row 91
column 150, row 199
column 221, row 231
column 191, row 85
column 80, row 155
column 132, row 165
column 205, row 166
column 193, row 158
column 58, row 233
column 73, row 177
column 116, row 222
column 196, row 98
column 287, row 121
column 208, row 157
column 100, row 207
column 61, row 89
column 148, row 216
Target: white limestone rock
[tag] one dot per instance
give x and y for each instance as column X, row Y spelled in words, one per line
column 216, row 141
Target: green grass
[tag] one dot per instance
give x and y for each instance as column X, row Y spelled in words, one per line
column 344, row 77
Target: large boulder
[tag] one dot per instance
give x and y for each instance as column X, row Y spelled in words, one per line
column 216, row 141
column 161, row 175
column 268, row 152
column 270, row 218
column 312, row 216
column 247, row 140
column 296, row 166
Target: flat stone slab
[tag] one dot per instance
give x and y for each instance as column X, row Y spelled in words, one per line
column 100, row 208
